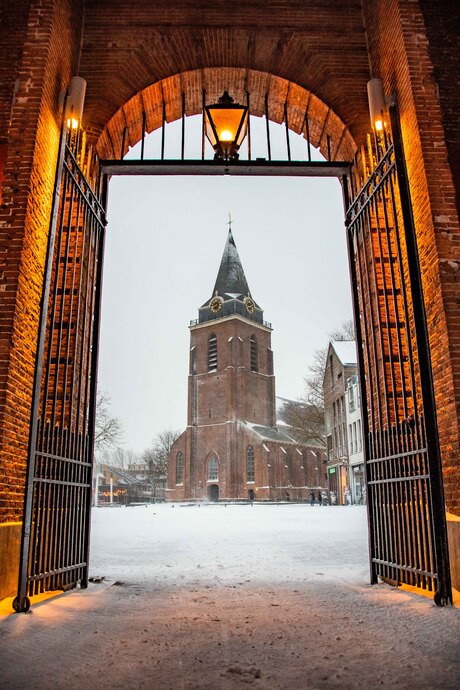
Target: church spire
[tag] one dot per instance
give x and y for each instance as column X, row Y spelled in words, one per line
column 231, row 294
column 231, row 280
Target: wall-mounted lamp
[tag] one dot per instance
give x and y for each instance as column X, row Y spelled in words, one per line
column 226, row 124
column 377, row 103
column 75, row 102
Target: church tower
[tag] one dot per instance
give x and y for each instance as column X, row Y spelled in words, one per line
column 232, row 449
column 230, row 383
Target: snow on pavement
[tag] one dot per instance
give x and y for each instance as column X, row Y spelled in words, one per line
column 216, row 597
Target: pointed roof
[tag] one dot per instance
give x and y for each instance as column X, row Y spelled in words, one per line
column 231, row 280
column 231, row 293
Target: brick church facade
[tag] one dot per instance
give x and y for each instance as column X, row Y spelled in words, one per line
column 232, row 448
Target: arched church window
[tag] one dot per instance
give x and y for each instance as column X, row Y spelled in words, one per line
column 254, row 354
column 212, row 353
column 179, row 468
column 250, row 468
column 212, row 469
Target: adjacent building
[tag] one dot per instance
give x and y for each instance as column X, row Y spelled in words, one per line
column 232, row 448
column 342, row 410
column 356, row 480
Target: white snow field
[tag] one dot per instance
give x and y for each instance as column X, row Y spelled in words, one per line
column 219, row 598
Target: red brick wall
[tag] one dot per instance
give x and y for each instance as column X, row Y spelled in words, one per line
column 400, row 52
column 38, row 69
column 225, row 400
column 237, row 392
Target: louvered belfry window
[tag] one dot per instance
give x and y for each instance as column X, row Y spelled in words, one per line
column 212, row 353
column 254, row 354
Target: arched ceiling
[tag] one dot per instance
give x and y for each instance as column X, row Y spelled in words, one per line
column 323, row 122
column 319, row 45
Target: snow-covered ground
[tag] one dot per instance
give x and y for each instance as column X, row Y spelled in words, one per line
column 219, row 598
column 197, row 544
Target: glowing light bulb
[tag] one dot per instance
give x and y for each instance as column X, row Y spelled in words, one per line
column 379, row 125
column 72, row 123
column 226, row 135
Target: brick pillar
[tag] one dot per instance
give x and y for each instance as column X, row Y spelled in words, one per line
column 37, row 63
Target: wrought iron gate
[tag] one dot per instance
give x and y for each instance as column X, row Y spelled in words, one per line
column 408, row 536
column 407, row 529
column 55, row 539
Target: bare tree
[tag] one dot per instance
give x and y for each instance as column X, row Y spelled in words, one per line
column 345, row 332
column 306, row 421
column 314, row 378
column 156, row 456
column 307, row 416
column 109, row 430
column 120, row 457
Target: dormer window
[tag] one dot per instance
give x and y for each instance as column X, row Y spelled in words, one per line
column 212, row 353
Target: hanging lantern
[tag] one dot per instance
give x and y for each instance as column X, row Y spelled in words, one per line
column 225, row 126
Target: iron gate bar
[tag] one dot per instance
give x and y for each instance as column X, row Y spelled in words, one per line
column 211, row 167
column 95, row 356
column 347, row 187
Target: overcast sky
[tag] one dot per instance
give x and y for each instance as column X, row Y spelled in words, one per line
column 165, row 239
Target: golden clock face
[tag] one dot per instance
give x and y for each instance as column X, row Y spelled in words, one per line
column 216, row 304
column 249, row 304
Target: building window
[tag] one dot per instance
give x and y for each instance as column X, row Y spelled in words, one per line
column 254, row 355
column 212, row 353
column 289, row 467
column 179, row 468
column 351, row 399
column 359, row 436
column 250, row 468
column 212, row 469
column 350, row 439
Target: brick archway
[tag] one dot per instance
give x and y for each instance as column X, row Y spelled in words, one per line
column 130, row 54
column 125, row 127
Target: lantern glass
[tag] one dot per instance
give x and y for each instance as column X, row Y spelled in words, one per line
column 225, row 126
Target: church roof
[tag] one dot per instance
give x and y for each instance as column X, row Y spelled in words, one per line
column 231, row 294
column 231, row 280
column 270, row 433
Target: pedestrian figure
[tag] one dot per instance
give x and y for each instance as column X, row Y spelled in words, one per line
column 312, row 498
column 320, row 498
